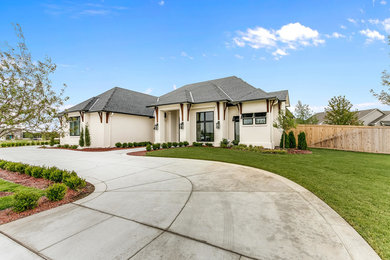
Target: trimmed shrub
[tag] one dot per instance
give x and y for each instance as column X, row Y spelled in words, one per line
column 56, row 192
column 118, row 145
column 209, row 144
column 235, row 142
column 186, row 143
column 28, row 170
column 47, row 171
column 196, row 144
column 20, row 167
column 148, row 148
column 181, row 144
column 24, row 200
column 130, row 145
column 302, row 145
column 156, row 146
column 124, row 145
column 87, row 137
column 82, row 141
column 74, row 182
column 36, row 172
column 175, row 144
column 169, row 144
column 164, row 146
column 52, row 140
column 291, row 139
column 286, row 141
column 56, row 175
column 66, row 146
column 74, row 146
column 11, row 166
column 224, row 143
column 3, row 164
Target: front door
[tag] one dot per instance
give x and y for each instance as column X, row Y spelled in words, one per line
column 236, row 121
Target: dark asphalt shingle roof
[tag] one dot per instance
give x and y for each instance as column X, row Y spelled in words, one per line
column 360, row 113
column 118, row 100
column 230, row 89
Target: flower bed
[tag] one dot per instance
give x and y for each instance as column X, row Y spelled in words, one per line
column 28, row 189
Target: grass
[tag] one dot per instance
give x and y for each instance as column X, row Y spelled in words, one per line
column 7, row 201
column 356, row 185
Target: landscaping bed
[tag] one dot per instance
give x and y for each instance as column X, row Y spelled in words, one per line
column 356, row 185
column 90, row 149
column 27, row 189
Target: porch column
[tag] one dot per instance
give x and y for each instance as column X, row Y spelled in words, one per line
column 186, row 132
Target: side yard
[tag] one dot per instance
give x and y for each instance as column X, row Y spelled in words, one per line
column 356, row 185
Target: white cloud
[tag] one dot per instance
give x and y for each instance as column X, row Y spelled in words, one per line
column 372, row 35
column 352, row 20
column 184, row 54
column 383, row 2
column 386, row 25
column 335, row 35
column 374, row 21
column 343, row 27
column 148, row 91
column 174, row 86
column 289, row 36
column 162, row 2
column 238, row 56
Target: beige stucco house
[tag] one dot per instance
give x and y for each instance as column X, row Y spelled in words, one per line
column 213, row 110
column 208, row 112
column 117, row 115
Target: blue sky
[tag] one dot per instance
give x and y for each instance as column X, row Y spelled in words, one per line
column 315, row 49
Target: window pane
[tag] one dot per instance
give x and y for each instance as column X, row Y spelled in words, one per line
column 209, row 116
column 260, row 114
column 247, row 115
column 200, row 132
column 260, row 120
column 247, row 121
column 209, row 133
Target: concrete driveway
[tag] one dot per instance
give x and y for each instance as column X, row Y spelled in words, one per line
column 162, row 208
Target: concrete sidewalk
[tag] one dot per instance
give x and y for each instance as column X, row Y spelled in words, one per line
column 164, row 208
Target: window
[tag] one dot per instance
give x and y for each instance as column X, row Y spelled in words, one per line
column 205, row 126
column 74, row 126
column 260, row 118
column 247, row 119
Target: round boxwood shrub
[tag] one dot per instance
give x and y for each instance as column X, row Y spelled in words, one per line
column 3, row 164
column 148, row 148
column 56, row 192
column 124, row 145
column 56, row 175
column 74, row 182
column 169, row 144
column 164, row 145
column 37, row 172
column 24, row 200
column 181, row 144
column 28, row 170
column 175, row 144
column 130, row 145
column 186, row 143
column 156, row 146
column 11, row 166
column 118, row 145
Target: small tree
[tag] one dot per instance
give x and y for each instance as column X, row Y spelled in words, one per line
column 27, row 98
column 284, row 121
column 52, row 140
column 339, row 112
column 291, row 140
column 87, row 137
column 302, row 145
column 304, row 115
column 81, row 141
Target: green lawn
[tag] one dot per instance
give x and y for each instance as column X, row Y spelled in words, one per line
column 356, row 185
column 7, row 202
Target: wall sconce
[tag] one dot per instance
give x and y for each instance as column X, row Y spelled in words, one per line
column 181, row 125
column 218, row 125
column 155, row 127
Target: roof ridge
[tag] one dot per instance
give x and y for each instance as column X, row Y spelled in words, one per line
column 109, row 99
column 219, row 88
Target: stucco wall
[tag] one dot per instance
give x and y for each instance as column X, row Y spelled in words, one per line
column 129, row 128
column 67, row 139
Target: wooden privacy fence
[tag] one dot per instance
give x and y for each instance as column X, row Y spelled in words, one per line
column 372, row 139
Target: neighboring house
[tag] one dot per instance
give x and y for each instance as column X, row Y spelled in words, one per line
column 117, row 115
column 13, row 135
column 369, row 117
column 212, row 110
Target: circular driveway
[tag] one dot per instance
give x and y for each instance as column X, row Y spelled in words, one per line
column 164, row 208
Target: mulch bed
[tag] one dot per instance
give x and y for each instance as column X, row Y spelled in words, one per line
column 7, row 215
column 25, row 180
column 91, row 149
column 139, row 153
column 296, row 151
